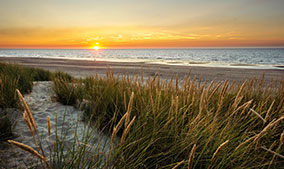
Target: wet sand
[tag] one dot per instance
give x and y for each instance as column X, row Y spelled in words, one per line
column 84, row 68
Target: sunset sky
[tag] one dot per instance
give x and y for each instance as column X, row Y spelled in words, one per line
column 141, row 23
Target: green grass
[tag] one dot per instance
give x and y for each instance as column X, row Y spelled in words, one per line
column 233, row 125
column 12, row 77
column 172, row 116
column 5, row 127
column 87, row 149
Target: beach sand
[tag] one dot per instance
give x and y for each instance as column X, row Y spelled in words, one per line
column 63, row 116
column 84, row 68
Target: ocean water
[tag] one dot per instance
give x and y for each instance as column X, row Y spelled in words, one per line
column 233, row 57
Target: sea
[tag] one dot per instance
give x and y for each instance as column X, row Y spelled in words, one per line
column 260, row 58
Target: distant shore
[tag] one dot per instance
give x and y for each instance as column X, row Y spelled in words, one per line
column 84, row 68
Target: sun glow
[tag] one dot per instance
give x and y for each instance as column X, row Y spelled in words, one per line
column 96, row 47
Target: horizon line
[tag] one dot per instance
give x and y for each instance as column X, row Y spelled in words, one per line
column 117, row 48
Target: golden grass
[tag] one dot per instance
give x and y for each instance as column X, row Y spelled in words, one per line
column 169, row 117
column 218, row 151
column 118, row 126
column 273, row 152
column 264, row 131
column 28, row 149
column 178, row 164
column 28, row 111
column 278, row 148
column 126, row 131
column 258, row 115
column 28, row 117
column 48, row 125
column 129, row 110
column 191, row 157
column 28, row 122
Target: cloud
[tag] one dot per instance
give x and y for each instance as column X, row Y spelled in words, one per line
column 136, row 36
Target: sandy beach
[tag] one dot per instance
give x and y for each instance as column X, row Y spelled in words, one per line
column 63, row 116
column 84, row 68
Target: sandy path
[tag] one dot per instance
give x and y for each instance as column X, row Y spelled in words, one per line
column 41, row 105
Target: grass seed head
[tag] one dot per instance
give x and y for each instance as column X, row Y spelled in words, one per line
column 218, row 150
column 29, row 149
column 191, row 157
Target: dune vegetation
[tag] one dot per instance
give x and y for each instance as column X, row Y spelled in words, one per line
column 172, row 123
column 184, row 123
column 18, row 77
column 12, row 77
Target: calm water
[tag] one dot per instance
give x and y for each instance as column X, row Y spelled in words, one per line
column 261, row 57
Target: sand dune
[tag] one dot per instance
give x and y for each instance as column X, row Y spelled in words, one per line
column 41, row 105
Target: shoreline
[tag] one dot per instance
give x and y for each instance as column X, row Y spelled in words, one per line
column 84, row 68
column 168, row 62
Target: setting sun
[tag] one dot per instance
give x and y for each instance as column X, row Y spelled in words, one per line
column 96, row 47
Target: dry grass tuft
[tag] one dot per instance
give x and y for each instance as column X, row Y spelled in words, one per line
column 178, row 164
column 28, row 111
column 28, row 117
column 218, row 151
column 117, row 127
column 129, row 110
column 191, row 157
column 28, row 149
column 273, row 152
column 177, row 112
column 258, row 115
column 126, row 131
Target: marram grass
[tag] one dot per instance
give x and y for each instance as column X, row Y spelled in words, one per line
column 12, row 77
column 177, row 123
column 187, row 123
column 80, row 154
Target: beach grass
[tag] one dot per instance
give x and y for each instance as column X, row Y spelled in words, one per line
column 12, row 77
column 83, row 151
column 175, row 123
column 186, row 123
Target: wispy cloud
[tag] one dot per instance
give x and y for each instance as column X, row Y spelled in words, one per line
column 134, row 36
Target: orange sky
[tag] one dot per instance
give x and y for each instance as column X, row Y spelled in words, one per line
column 135, row 24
